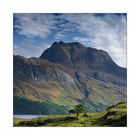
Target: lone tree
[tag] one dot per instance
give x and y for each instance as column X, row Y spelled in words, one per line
column 78, row 109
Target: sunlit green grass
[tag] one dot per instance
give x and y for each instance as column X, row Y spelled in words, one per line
column 114, row 116
column 82, row 121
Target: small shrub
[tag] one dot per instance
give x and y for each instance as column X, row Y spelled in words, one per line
column 85, row 115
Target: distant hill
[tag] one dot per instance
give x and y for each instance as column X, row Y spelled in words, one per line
column 64, row 75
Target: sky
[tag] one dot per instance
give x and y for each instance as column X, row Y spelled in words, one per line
column 35, row 32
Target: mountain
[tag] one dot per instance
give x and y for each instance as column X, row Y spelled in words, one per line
column 64, row 75
column 75, row 55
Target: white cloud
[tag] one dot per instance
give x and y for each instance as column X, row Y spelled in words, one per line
column 59, row 36
column 29, row 50
column 34, row 25
column 107, row 32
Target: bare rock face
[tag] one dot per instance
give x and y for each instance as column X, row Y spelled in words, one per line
column 67, row 74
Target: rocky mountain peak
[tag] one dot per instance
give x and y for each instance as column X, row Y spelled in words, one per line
column 77, row 56
column 58, row 44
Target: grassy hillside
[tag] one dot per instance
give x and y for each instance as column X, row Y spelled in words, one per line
column 113, row 116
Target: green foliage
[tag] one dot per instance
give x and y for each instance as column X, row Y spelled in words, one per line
column 114, row 116
column 25, row 106
column 78, row 109
column 71, row 111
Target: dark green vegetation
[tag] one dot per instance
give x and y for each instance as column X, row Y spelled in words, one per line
column 113, row 116
column 67, row 74
column 78, row 109
column 29, row 107
column 33, row 107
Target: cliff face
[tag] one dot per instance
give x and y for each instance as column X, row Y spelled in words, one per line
column 67, row 74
